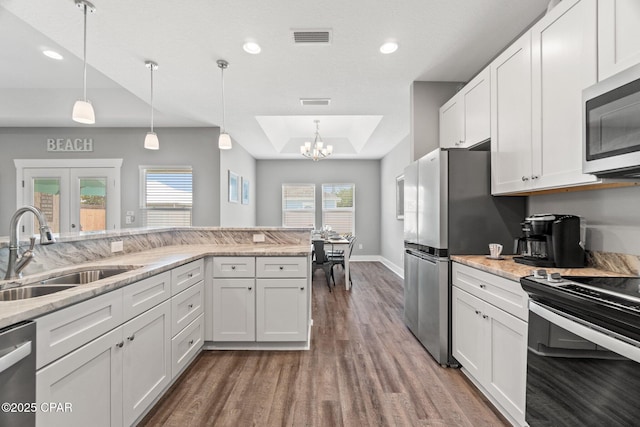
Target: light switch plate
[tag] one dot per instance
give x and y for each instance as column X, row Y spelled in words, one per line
column 117, row 246
column 258, row 238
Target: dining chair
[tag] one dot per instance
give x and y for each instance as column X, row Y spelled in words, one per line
column 339, row 259
column 321, row 261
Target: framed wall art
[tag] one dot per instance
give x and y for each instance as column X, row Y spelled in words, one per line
column 234, row 187
column 245, row 191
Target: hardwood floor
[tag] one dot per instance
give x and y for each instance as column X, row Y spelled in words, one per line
column 364, row 369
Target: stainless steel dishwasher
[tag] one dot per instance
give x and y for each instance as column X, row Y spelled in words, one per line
column 18, row 375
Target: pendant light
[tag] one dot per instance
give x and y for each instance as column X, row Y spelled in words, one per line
column 82, row 109
column 224, row 141
column 151, row 140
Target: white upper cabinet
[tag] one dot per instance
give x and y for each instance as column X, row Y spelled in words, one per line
column 465, row 120
column 477, row 109
column 451, row 123
column 618, row 36
column 511, row 118
column 564, row 62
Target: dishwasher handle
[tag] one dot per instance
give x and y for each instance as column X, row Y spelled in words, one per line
column 20, row 351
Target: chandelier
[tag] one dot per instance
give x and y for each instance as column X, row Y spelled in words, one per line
column 317, row 151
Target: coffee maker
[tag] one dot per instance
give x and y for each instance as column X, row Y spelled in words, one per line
column 551, row 240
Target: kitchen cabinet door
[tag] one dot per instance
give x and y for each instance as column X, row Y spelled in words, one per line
column 469, row 338
column 234, row 310
column 476, row 101
column 90, row 380
column 511, row 118
column 146, row 366
column 564, row 62
column 281, row 310
column 451, row 126
column 618, row 36
column 507, row 356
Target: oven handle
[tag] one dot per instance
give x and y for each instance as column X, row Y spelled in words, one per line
column 586, row 330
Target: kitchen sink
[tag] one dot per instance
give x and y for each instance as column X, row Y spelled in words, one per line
column 31, row 291
column 86, row 276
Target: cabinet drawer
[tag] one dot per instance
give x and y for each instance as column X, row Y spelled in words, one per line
column 234, row 267
column 186, row 275
column 65, row 330
column 281, row 267
column 145, row 294
column 505, row 294
column 186, row 344
column 186, row 306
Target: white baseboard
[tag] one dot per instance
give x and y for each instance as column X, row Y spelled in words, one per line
column 379, row 258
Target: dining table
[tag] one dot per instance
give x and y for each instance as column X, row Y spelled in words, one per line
column 340, row 243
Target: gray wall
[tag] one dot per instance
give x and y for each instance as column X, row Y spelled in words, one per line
column 612, row 215
column 365, row 174
column 392, row 229
column 239, row 161
column 426, row 100
column 178, row 146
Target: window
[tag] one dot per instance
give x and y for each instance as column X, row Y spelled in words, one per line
column 166, row 196
column 298, row 205
column 338, row 207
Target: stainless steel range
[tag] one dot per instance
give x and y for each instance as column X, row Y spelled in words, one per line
column 583, row 360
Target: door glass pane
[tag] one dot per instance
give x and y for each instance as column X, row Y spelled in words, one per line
column 93, row 204
column 46, row 197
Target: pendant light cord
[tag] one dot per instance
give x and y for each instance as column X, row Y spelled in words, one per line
column 151, row 67
column 85, row 54
column 224, row 127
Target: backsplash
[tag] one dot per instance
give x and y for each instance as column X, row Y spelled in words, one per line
column 70, row 250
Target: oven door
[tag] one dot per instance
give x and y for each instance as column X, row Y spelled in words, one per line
column 578, row 374
column 611, row 132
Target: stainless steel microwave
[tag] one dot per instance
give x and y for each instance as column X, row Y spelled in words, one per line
column 611, row 126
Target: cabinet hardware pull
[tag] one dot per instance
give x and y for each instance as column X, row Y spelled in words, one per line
column 249, row 288
column 233, row 267
column 478, row 312
column 482, row 286
column 190, row 343
column 189, row 275
column 131, row 338
column 534, row 177
column 525, row 178
column 302, row 288
column 281, row 268
column 484, row 316
column 190, row 306
column 120, row 344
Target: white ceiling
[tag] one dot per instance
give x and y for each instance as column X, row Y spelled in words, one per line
column 440, row 40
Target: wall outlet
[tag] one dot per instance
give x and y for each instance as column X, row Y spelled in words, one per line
column 117, row 246
column 258, row 238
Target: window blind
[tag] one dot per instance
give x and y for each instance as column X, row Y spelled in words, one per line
column 298, row 205
column 167, row 198
column 338, row 207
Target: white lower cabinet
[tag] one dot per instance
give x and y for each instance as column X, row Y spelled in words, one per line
column 234, row 310
column 491, row 346
column 90, row 379
column 146, row 360
column 281, row 309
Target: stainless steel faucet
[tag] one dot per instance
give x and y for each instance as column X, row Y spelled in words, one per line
column 15, row 266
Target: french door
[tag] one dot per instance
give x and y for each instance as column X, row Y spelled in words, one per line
column 72, row 198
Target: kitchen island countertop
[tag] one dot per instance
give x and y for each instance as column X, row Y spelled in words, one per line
column 148, row 263
column 511, row 270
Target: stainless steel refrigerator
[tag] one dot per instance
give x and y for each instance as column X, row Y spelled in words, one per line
column 448, row 210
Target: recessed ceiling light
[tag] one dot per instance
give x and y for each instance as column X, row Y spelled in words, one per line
column 52, row 54
column 389, row 47
column 252, row 48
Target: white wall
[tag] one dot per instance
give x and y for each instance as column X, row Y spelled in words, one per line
column 391, row 233
column 612, row 215
column 178, row 146
column 239, row 161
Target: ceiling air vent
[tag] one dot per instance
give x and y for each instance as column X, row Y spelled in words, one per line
column 318, row 36
column 315, row 101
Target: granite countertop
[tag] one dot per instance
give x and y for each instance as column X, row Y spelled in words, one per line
column 148, row 263
column 509, row 269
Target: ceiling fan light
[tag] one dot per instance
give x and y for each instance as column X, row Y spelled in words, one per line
column 83, row 113
column 224, row 141
column 151, row 141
